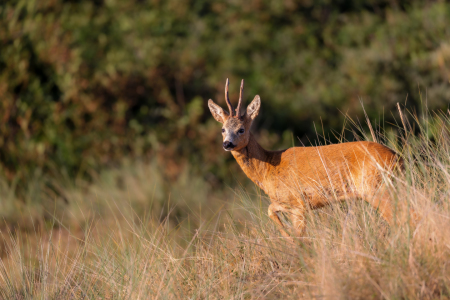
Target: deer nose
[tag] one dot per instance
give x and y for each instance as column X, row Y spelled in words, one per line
column 228, row 145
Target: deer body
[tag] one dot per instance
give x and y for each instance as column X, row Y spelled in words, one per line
column 299, row 178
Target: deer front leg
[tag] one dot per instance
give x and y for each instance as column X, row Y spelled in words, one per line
column 298, row 221
column 273, row 209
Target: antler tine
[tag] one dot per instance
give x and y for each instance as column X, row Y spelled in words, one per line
column 230, row 106
column 238, row 109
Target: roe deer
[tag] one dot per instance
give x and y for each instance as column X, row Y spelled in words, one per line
column 302, row 177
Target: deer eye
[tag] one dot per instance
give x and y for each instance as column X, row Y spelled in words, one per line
column 223, row 129
column 241, row 131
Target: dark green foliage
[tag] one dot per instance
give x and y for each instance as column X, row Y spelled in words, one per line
column 84, row 83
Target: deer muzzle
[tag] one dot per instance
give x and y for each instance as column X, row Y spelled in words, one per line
column 227, row 146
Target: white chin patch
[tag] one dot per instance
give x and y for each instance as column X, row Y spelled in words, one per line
column 227, row 149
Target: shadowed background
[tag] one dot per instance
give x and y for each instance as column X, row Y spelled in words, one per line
column 90, row 85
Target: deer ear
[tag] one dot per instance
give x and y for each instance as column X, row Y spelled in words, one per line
column 253, row 108
column 218, row 113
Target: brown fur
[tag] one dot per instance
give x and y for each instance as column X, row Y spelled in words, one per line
column 299, row 178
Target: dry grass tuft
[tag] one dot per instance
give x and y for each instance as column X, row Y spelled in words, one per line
column 236, row 252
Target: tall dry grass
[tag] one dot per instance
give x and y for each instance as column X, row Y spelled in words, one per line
column 230, row 249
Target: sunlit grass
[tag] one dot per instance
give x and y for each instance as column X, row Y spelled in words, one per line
column 114, row 243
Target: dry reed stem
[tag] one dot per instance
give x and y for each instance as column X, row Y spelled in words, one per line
column 403, row 121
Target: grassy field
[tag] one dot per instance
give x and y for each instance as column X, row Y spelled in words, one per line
column 131, row 235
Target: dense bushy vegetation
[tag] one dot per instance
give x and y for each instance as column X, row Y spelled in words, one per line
column 83, row 83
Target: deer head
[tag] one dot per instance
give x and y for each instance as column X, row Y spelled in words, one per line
column 236, row 126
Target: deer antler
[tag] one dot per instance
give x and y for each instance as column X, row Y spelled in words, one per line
column 230, row 106
column 238, row 109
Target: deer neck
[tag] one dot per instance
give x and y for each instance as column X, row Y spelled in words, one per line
column 254, row 160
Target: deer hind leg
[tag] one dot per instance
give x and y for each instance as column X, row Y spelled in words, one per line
column 383, row 203
column 273, row 209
